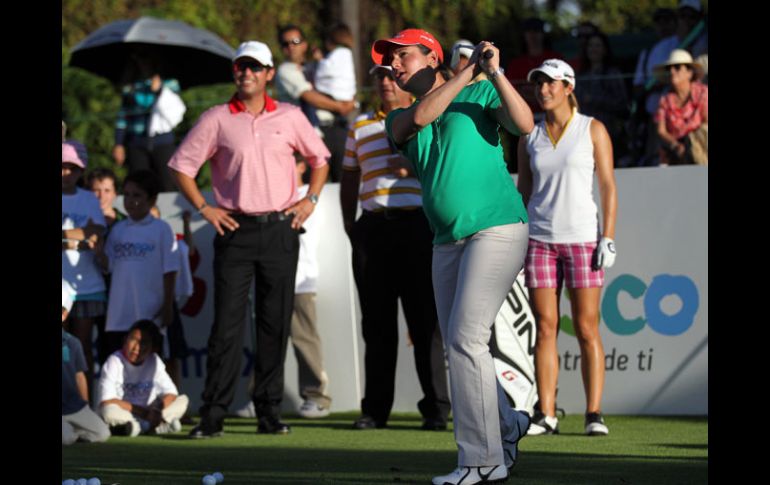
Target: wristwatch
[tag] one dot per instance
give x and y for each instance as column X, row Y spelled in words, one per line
column 496, row 72
column 312, row 198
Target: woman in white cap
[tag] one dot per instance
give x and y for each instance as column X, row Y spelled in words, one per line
column 450, row 134
column 462, row 50
column 683, row 109
column 557, row 162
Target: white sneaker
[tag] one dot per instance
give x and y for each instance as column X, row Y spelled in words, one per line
column 247, row 411
column 468, row 475
column 542, row 424
column 595, row 425
column 511, row 441
column 175, row 425
column 311, row 409
column 129, row 428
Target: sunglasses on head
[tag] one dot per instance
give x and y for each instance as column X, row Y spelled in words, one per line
column 295, row 41
column 255, row 66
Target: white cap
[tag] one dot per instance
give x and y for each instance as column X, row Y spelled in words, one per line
column 555, row 69
column 67, row 295
column 462, row 47
column 258, row 51
column 379, row 66
column 693, row 4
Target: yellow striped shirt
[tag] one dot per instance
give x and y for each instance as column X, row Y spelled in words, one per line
column 367, row 150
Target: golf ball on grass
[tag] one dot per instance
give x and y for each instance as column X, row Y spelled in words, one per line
column 209, row 480
column 68, row 481
column 94, row 481
column 218, row 477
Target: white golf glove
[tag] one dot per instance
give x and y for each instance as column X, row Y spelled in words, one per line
column 605, row 253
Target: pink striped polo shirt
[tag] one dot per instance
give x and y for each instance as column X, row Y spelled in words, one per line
column 252, row 157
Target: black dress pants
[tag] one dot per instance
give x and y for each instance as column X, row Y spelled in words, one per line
column 265, row 252
column 392, row 259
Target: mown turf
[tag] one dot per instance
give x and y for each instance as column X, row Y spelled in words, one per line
column 638, row 450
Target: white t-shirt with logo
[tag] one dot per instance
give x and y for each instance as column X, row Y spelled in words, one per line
column 140, row 253
column 79, row 268
column 138, row 384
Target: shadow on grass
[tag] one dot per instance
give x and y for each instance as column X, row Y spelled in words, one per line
column 152, row 461
column 686, row 446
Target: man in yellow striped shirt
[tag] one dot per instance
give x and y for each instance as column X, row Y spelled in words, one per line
column 392, row 252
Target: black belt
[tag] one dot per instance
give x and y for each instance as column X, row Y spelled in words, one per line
column 269, row 217
column 389, row 214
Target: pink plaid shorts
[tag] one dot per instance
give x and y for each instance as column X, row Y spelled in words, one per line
column 547, row 264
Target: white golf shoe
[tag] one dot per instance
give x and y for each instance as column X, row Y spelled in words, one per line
column 469, row 475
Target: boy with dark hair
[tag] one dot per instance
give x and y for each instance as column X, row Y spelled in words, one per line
column 141, row 254
column 137, row 394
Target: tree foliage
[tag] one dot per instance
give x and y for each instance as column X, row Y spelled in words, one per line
column 89, row 103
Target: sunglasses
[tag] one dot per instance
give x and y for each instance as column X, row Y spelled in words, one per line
column 241, row 66
column 295, row 41
column 677, row 67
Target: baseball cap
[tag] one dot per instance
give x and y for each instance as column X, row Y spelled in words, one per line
column 555, row 69
column 693, row 4
column 256, row 50
column 74, row 152
column 406, row 37
column 462, row 47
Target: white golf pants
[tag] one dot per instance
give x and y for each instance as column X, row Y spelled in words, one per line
column 471, row 278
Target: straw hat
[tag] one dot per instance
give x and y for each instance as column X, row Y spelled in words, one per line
column 679, row 56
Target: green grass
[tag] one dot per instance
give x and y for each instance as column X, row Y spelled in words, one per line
column 638, row 450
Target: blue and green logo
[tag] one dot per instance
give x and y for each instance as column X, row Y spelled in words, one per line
column 662, row 286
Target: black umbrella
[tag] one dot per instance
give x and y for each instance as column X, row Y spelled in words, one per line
column 177, row 50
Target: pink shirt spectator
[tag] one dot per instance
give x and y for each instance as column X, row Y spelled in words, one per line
column 682, row 120
column 252, row 157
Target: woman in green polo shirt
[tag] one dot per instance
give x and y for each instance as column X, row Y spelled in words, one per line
column 450, row 134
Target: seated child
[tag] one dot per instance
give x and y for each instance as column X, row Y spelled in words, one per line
column 78, row 421
column 137, row 395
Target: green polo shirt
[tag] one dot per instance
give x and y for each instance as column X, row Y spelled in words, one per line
column 459, row 161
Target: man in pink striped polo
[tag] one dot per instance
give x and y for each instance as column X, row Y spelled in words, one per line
column 250, row 143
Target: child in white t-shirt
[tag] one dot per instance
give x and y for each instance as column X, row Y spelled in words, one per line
column 141, row 254
column 136, row 393
column 82, row 226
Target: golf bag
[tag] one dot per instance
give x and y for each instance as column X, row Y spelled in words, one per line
column 513, row 347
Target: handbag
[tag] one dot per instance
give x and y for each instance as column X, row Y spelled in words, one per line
column 699, row 144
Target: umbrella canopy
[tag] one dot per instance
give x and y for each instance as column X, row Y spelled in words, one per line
column 177, row 50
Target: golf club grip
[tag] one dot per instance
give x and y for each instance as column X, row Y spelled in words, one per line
column 489, row 54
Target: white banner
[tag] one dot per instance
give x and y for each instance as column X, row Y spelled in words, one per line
column 654, row 306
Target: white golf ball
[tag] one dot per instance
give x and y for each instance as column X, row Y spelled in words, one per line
column 81, row 481
column 68, row 481
column 218, row 476
column 94, row 481
column 209, row 480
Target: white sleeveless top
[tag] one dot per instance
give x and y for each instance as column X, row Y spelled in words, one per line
column 561, row 208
